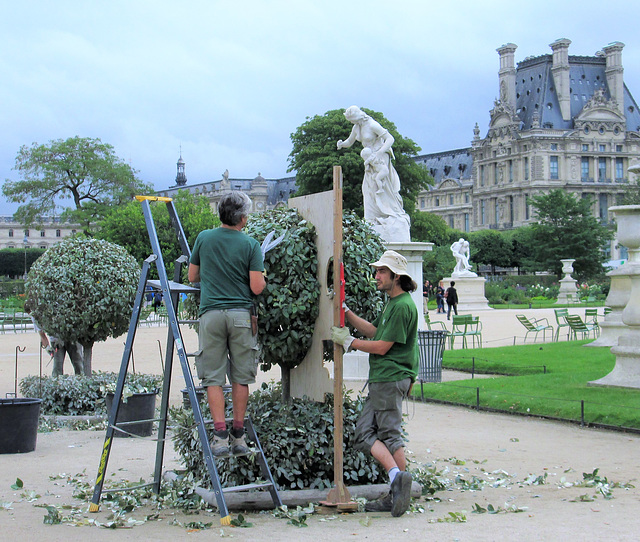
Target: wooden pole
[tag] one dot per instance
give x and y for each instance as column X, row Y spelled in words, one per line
column 338, row 495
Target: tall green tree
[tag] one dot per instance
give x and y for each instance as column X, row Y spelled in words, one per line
column 566, row 228
column 315, row 153
column 125, row 226
column 490, row 247
column 429, row 228
column 81, row 171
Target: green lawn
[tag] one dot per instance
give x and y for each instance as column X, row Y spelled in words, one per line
column 561, row 392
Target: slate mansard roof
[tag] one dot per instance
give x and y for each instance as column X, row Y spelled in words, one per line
column 535, row 91
column 456, row 164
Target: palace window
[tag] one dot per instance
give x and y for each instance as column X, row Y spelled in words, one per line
column 584, row 168
column 619, row 169
column 553, row 167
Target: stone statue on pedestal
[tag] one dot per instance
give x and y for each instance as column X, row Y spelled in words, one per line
column 381, row 184
column 460, row 251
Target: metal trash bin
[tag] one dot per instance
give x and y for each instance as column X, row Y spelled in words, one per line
column 431, row 345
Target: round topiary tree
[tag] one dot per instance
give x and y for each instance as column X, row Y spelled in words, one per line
column 82, row 290
column 288, row 307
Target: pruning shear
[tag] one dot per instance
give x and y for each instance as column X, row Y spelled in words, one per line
column 268, row 243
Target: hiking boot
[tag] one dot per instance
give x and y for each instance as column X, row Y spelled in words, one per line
column 381, row 504
column 220, row 443
column 400, row 493
column 239, row 442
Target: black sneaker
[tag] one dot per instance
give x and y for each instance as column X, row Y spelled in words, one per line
column 381, row 504
column 400, row 493
column 220, row 443
column 239, row 442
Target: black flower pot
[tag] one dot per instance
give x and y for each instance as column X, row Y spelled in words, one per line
column 19, row 424
column 140, row 406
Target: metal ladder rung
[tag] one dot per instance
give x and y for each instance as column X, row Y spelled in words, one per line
column 127, row 488
column 246, row 487
column 122, row 424
column 188, row 322
column 173, row 286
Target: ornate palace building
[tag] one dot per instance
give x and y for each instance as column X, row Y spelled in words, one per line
column 264, row 193
column 560, row 121
column 51, row 231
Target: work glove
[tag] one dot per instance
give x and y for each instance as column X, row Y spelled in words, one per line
column 345, row 308
column 340, row 335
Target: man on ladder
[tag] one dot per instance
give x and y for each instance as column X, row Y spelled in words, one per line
column 228, row 265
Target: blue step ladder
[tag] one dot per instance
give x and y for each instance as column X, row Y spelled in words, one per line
column 171, row 291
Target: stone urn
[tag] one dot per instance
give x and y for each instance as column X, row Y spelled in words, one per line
column 568, row 290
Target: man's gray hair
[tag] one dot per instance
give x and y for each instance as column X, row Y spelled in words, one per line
column 233, row 206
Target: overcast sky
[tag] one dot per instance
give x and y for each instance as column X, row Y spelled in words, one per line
column 229, row 81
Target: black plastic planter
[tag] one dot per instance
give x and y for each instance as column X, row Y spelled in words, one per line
column 19, row 425
column 140, row 406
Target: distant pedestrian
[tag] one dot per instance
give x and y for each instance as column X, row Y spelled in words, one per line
column 426, row 290
column 440, row 298
column 451, row 295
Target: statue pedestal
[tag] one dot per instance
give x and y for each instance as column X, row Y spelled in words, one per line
column 413, row 252
column 626, row 373
column 613, row 326
column 355, row 367
column 470, row 293
column 568, row 291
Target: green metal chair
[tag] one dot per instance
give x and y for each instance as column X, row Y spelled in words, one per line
column 561, row 315
column 591, row 316
column 429, row 323
column 535, row 326
column 466, row 326
column 578, row 326
column 474, row 330
column 458, row 329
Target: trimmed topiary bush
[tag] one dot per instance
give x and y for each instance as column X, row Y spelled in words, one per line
column 71, row 395
column 82, row 290
column 297, row 439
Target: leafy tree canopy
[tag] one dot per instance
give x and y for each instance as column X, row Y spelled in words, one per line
column 83, row 170
column 429, row 228
column 566, row 228
column 125, row 226
column 315, row 153
column 490, row 247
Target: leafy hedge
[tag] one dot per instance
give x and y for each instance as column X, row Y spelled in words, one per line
column 72, row 395
column 297, row 439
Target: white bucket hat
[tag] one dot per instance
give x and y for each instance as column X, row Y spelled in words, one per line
column 397, row 263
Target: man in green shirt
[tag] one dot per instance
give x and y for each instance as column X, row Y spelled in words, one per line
column 393, row 367
column 228, row 265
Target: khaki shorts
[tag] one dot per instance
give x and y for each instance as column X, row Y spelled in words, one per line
column 227, row 348
column 381, row 417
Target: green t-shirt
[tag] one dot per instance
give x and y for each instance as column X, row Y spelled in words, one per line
column 225, row 257
column 398, row 323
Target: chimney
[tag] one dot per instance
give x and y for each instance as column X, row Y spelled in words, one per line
column 507, row 75
column 613, row 71
column 561, row 77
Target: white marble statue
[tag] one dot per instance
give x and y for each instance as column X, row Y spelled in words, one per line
column 381, row 184
column 460, row 251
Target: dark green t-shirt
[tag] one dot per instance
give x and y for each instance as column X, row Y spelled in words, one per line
column 225, row 257
column 398, row 323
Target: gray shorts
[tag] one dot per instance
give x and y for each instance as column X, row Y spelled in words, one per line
column 226, row 343
column 381, row 417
